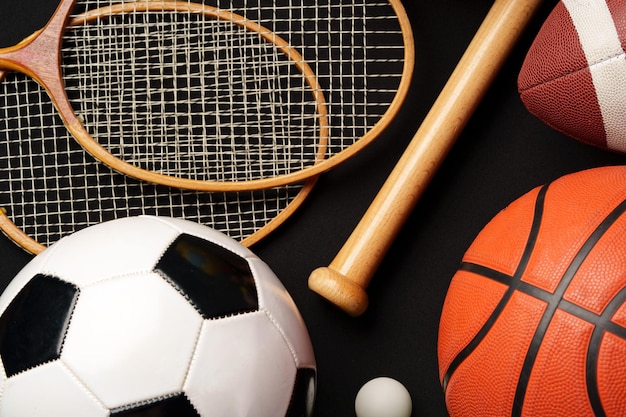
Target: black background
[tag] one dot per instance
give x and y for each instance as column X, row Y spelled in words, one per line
column 503, row 153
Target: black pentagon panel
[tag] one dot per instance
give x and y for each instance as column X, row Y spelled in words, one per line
column 217, row 282
column 177, row 406
column 33, row 326
column 303, row 396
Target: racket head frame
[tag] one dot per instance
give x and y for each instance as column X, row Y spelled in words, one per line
column 258, row 213
column 26, row 57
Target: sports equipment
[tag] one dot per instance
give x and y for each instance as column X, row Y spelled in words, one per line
column 573, row 77
column 224, row 97
column 50, row 187
column 533, row 323
column 383, row 397
column 152, row 316
column 344, row 281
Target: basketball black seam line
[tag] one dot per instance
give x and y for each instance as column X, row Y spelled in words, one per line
column 554, row 305
column 605, row 325
column 543, row 295
column 602, row 322
column 513, row 285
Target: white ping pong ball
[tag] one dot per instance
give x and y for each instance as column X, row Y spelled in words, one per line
column 383, row 397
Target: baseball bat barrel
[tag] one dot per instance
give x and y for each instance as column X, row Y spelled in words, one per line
column 345, row 280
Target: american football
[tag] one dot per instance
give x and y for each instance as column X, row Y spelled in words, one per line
column 574, row 75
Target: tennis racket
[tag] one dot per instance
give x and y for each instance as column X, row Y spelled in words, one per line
column 345, row 280
column 232, row 96
column 50, row 187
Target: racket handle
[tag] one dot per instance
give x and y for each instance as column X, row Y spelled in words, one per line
column 345, row 280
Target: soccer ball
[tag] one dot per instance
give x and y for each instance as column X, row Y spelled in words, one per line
column 152, row 316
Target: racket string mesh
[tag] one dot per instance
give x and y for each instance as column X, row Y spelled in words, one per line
column 170, row 93
column 192, row 95
column 51, row 187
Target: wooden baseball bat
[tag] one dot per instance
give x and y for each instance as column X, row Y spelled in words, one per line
column 345, row 280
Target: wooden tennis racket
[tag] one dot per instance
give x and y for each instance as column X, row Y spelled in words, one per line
column 222, row 97
column 345, row 280
column 50, row 187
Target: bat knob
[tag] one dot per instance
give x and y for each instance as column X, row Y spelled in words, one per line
column 339, row 290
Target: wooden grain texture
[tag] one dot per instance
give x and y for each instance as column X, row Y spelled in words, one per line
column 345, row 280
column 39, row 55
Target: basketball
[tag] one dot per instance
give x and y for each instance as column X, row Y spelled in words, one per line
column 534, row 321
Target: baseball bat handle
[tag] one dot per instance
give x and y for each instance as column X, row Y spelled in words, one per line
column 345, row 280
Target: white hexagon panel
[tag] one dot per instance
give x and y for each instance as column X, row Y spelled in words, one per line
column 150, row 316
